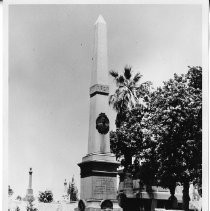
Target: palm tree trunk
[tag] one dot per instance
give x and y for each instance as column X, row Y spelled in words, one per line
column 172, row 200
column 128, row 160
column 186, row 197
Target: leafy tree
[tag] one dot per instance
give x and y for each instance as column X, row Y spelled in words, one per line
column 72, row 191
column 129, row 101
column 176, row 125
column 10, row 191
column 166, row 134
column 46, row 196
column 195, row 77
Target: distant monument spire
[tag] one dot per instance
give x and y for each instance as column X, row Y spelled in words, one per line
column 29, row 192
column 30, row 179
column 65, row 192
column 65, row 187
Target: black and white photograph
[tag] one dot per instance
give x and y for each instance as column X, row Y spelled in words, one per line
column 106, row 106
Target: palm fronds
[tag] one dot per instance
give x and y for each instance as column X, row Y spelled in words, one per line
column 120, row 80
column 113, row 73
column 127, row 72
column 137, row 77
column 128, row 93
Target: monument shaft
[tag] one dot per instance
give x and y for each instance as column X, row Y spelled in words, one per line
column 99, row 89
column 100, row 63
column 30, row 180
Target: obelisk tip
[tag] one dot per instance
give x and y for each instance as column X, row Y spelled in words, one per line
column 100, row 20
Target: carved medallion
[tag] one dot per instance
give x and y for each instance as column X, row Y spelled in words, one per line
column 102, row 123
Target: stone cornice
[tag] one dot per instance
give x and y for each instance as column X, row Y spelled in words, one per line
column 99, row 89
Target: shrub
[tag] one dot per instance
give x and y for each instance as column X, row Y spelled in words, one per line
column 45, row 196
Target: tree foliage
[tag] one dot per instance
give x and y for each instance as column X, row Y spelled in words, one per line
column 129, row 93
column 127, row 139
column 46, row 196
column 176, row 124
column 72, row 190
column 164, row 133
column 130, row 102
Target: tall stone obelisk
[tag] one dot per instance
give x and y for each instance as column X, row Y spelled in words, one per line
column 99, row 166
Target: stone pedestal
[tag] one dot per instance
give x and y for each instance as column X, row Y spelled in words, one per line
column 29, row 195
column 30, row 192
column 96, row 206
column 99, row 180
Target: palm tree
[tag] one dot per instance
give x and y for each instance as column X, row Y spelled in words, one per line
column 128, row 94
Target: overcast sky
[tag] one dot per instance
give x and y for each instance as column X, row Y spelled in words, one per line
column 50, row 51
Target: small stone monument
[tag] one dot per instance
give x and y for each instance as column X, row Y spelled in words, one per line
column 29, row 192
column 65, row 196
column 99, row 166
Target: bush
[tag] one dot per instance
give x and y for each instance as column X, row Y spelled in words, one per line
column 45, row 196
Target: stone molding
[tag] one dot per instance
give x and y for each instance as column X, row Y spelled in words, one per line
column 99, row 89
column 98, row 168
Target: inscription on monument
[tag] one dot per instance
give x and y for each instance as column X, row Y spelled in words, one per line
column 104, row 185
column 99, row 88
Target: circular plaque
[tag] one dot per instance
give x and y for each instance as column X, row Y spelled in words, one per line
column 102, row 123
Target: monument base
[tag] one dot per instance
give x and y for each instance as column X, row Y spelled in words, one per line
column 96, row 206
column 29, row 195
column 98, row 182
column 98, row 177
